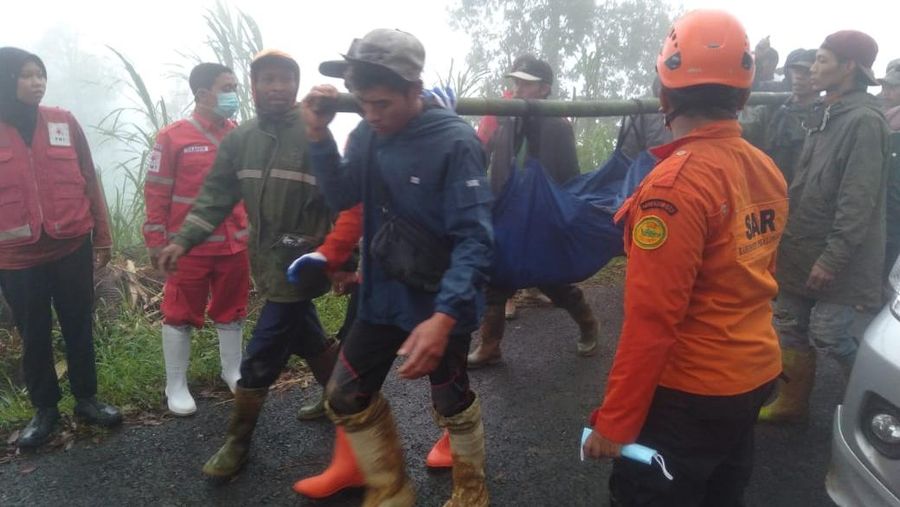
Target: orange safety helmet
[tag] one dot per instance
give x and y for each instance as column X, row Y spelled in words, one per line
column 706, row 47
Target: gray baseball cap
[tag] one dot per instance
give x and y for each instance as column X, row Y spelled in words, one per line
column 394, row 50
column 892, row 76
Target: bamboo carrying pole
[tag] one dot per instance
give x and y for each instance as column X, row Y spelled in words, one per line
column 569, row 109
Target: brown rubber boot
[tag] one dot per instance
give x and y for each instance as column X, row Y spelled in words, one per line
column 467, row 447
column 492, row 326
column 588, row 325
column 792, row 403
column 321, row 366
column 229, row 459
column 373, row 437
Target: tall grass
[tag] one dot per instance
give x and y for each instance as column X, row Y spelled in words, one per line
column 133, row 131
column 234, row 38
column 130, row 372
column 130, row 369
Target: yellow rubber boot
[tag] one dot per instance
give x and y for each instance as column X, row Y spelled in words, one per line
column 467, row 447
column 373, row 437
column 488, row 351
column 792, row 403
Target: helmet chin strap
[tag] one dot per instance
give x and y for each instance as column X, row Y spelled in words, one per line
column 670, row 117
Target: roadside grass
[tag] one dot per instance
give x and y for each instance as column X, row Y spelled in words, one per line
column 130, row 370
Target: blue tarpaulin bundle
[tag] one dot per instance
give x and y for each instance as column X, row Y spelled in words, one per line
column 545, row 234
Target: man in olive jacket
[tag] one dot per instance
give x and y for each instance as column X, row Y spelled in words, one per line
column 832, row 253
column 265, row 162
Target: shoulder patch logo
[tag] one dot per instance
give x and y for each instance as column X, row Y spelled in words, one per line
column 155, row 159
column 650, row 233
column 662, row 204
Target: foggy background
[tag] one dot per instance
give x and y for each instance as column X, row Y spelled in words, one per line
column 161, row 38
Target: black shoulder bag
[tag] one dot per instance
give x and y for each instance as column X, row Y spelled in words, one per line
column 405, row 249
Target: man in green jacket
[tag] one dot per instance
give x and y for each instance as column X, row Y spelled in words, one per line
column 778, row 130
column 265, row 162
column 832, row 252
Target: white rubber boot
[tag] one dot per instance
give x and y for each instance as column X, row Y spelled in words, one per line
column 177, row 355
column 230, row 345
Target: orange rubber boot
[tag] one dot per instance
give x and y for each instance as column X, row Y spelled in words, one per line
column 440, row 456
column 342, row 473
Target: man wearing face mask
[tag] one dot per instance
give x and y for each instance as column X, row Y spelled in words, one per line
column 265, row 162
column 217, row 270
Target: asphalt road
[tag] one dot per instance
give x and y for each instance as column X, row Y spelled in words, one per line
column 535, row 404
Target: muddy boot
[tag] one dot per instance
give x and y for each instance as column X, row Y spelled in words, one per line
column 534, row 296
column 322, row 365
column 342, row 473
column 313, row 410
column 229, row 459
column 373, row 438
column 792, row 403
column 467, row 447
column 510, row 311
column 488, row 351
column 588, row 326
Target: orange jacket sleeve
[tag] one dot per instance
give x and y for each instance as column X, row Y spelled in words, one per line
column 664, row 242
column 343, row 238
column 158, row 185
column 101, row 237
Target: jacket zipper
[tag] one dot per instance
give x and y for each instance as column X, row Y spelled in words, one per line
column 37, row 189
column 262, row 188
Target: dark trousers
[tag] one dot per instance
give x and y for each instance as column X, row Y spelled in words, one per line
column 365, row 359
column 282, row 329
column 707, row 443
column 563, row 296
column 67, row 286
column 350, row 316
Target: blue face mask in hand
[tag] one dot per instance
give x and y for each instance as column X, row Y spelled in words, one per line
column 227, row 104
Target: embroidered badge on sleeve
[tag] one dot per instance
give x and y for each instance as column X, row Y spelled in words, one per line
column 649, row 233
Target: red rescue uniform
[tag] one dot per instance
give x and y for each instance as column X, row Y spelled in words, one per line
column 701, row 235
column 50, row 196
column 217, row 270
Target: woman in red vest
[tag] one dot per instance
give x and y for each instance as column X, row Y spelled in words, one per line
column 53, row 224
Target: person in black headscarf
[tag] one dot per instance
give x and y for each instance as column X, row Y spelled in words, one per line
column 53, row 228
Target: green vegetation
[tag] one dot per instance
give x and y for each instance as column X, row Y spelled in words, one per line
column 130, row 370
column 593, row 46
column 127, row 338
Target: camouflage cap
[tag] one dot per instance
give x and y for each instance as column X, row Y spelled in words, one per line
column 395, row 50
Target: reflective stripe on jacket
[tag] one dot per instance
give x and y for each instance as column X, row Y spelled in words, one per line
column 265, row 162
